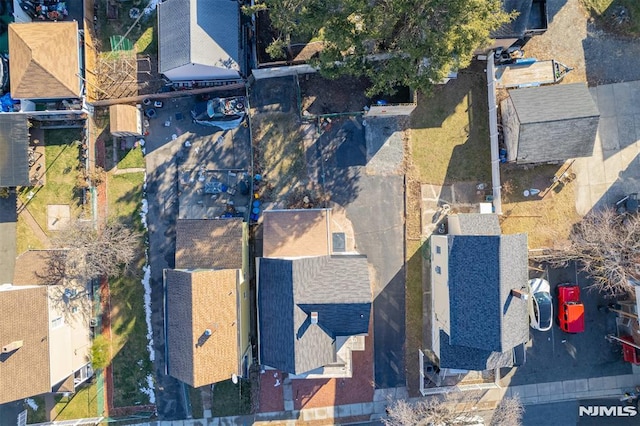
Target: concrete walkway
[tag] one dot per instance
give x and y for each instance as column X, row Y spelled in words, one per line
column 541, row 393
column 614, row 169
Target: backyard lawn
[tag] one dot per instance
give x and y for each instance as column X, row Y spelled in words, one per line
column 131, row 364
column 230, row 399
column 130, row 158
column 81, row 404
column 143, row 34
column 548, row 221
column 61, row 161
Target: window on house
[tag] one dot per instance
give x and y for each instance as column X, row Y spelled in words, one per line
column 56, row 322
column 244, row 294
column 438, row 270
column 438, row 250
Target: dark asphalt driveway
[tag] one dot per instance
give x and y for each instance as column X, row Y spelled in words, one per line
column 375, row 206
column 555, row 355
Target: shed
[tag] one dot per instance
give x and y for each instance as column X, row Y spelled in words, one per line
column 14, row 154
column 199, row 40
column 125, row 120
column 549, row 124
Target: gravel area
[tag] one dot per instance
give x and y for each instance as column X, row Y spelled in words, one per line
column 597, row 57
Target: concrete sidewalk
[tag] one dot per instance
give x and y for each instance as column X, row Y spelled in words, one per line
column 540, row 393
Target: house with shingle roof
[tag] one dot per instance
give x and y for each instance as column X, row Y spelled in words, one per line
column 206, row 305
column 309, row 308
column 199, row 40
column 314, row 303
column 45, row 60
column 45, row 344
column 478, row 318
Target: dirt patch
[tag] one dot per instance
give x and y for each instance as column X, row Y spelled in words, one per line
column 546, row 217
column 322, row 96
column 279, row 157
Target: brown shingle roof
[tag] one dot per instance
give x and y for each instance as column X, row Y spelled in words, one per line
column 292, row 233
column 209, row 243
column 125, row 120
column 33, row 267
column 44, row 60
column 25, row 371
column 197, row 301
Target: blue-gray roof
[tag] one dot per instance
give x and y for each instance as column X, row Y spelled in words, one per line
column 466, row 358
column 202, row 32
column 482, row 272
column 289, row 290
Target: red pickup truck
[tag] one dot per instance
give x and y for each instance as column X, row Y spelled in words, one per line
column 570, row 308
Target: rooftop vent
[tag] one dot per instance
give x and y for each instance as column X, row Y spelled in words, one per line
column 16, row 344
column 314, row 317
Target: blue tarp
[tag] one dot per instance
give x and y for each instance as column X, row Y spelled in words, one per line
column 7, row 102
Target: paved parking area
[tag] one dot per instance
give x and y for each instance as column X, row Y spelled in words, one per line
column 373, row 199
column 165, row 156
column 557, row 356
column 614, row 169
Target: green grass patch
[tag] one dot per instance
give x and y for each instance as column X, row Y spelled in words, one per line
column 195, row 397
column 230, row 399
column 608, row 13
column 449, row 132
column 26, row 239
column 39, row 415
column 131, row 363
column 80, row 405
column 61, row 166
column 124, row 196
column 130, row 158
column 143, row 34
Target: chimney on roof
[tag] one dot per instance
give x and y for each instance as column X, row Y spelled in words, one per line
column 519, row 294
column 314, row 317
column 16, row 344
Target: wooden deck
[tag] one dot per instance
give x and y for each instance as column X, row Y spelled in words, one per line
column 523, row 75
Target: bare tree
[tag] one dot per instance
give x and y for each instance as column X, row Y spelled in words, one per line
column 452, row 409
column 508, row 413
column 95, row 253
column 605, row 245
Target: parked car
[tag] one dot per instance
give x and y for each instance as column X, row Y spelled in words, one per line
column 570, row 308
column 540, row 305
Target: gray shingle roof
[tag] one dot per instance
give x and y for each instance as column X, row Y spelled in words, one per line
column 556, row 122
column 517, row 27
column 478, row 224
column 202, row 32
column 482, row 272
column 553, row 103
column 463, row 357
column 336, row 287
column 14, row 158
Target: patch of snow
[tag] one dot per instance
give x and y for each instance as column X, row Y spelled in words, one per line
column 143, row 212
column 146, row 278
column 149, row 389
column 151, row 6
column 32, row 404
